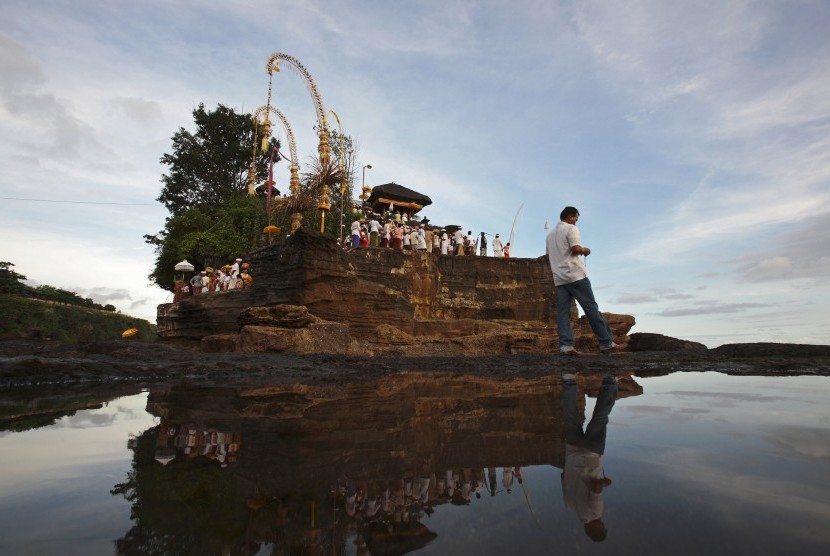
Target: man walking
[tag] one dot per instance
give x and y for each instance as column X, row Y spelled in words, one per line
column 571, row 280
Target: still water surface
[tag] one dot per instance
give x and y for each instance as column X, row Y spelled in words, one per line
column 693, row 463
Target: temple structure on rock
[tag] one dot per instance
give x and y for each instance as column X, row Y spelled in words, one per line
column 396, row 197
column 311, row 296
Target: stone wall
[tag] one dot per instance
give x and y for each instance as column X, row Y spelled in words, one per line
column 382, row 299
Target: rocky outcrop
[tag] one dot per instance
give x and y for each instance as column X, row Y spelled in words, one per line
column 310, row 296
column 647, row 341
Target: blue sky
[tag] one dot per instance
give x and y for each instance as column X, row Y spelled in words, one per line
column 692, row 136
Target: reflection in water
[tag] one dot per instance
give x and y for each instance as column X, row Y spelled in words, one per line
column 444, row 465
column 583, row 478
column 351, row 468
column 191, row 441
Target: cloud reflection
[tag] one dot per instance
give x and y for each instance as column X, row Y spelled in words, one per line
column 800, row 442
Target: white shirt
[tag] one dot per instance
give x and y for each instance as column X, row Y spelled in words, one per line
column 582, row 465
column 566, row 267
column 497, row 252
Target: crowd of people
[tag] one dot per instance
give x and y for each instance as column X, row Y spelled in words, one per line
column 393, row 504
column 399, row 231
column 228, row 277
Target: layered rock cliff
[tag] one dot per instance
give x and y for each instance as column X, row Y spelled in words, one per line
column 310, row 296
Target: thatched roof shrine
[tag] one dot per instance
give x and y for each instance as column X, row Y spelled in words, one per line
column 402, row 197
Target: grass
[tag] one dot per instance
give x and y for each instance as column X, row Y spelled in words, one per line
column 73, row 324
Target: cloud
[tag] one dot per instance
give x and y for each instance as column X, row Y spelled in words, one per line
column 104, row 271
column 659, row 294
column 678, row 296
column 35, row 122
column 104, row 295
column 138, row 110
column 635, row 299
column 803, row 442
column 725, row 396
column 801, row 253
column 702, row 99
column 730, row 484
column 710, row 308
column 18, row 69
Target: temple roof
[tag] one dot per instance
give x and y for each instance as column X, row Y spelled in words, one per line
column 383, row 195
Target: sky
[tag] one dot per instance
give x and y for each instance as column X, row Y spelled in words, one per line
column 693, row 137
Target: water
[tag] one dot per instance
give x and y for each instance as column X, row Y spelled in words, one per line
column 698, row 463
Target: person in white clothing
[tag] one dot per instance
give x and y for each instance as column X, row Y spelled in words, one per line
column 356, row 233
column 421, row 239
column 374, row 232
column 459, row 242
column 445, row 244
column 497, row 247
column 583, row 476
column 565, row 252
column 234, row 274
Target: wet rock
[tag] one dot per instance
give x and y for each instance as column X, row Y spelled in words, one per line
column 220, row 343
column 647, row 341
column 770, row 349
column 25, row 364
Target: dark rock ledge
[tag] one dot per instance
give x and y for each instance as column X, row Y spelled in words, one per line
column 31, row 363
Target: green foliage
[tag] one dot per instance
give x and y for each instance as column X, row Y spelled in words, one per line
column 210, row 166
column 213, row 219
column 10, row 281
column 32, row 318
column 209, row 236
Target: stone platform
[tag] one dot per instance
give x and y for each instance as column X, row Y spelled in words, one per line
column 310, row 296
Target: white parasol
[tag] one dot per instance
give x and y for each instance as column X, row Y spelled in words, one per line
column 183, row 266
column 165, row 455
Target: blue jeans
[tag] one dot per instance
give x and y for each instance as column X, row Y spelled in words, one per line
column 593, row 437
column 584, row 295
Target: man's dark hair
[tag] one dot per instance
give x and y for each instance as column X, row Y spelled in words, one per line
column 596, row 530
column 568, row 211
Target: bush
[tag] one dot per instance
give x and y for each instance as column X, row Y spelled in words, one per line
column 33, row 318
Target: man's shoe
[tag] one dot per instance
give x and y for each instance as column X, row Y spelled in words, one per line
column 613, row 348
column 568, row 350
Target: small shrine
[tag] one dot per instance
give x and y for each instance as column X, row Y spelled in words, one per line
column 396, row 197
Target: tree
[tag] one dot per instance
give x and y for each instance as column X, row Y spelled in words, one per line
column 10, row 281
column 208, row 235
column 211, row 165
column 213, row 219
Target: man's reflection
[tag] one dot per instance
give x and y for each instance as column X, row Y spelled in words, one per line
column 583, row 478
